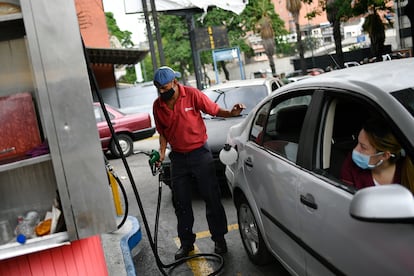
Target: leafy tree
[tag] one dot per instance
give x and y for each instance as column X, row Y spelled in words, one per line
column 373, row 24
column 176, row 44
column 256, row 15
column 338, row 11
column 123, row 36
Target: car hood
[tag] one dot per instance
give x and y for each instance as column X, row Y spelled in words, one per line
column 217, row 129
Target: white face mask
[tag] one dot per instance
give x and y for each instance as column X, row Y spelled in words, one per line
column 362, row 160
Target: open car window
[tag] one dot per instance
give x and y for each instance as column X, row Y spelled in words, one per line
column 283, row 126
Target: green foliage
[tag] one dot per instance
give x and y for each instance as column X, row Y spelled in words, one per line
column 285, row 48
column 124, row 37
column 174, row 31
column 175, row 39
column 373, row 24
column 130, row 76
column 255, row 10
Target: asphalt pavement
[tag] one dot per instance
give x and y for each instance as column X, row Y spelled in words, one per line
column 236, row 261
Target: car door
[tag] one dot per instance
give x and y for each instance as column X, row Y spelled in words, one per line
column 270, row 170
column 334, row 242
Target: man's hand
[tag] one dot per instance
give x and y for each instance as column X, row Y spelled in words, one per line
column 237, row 109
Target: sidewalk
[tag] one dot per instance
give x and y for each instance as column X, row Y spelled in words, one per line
column 120, row 247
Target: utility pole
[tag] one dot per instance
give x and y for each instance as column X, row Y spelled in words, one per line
column 149, row 33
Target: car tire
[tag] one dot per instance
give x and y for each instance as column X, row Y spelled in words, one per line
column 126, row 143
column 251, row 236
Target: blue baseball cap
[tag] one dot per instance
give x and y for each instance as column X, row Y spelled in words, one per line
column 164, row 75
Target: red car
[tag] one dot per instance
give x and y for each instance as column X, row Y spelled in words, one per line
column 128, row 128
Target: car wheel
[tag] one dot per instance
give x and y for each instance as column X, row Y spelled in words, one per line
column 250, row 234
column 126, row 143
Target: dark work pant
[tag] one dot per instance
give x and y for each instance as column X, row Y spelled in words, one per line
column 199, row 165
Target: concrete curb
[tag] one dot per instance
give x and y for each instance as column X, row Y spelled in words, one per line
column 118, row 247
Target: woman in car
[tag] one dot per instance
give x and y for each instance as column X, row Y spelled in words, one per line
column 377, row 159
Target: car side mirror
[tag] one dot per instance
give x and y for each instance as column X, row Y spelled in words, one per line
column 383, row 203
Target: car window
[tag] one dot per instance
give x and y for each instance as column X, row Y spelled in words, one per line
column 250, row 96
column 99, row 116
column 343, row 120
column 284, row 125
column 406, row 98
column 256, row 133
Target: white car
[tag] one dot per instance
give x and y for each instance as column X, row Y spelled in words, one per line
column 285, row 182
column 227, row 94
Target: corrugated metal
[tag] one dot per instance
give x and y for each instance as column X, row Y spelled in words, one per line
column 81, row 257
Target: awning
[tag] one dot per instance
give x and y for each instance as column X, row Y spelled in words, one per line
column 115, row 56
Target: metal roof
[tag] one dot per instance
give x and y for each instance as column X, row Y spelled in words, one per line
column 115, row 55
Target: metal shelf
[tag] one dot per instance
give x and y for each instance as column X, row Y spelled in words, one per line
column 14, row 249
column 24, row 162
column 10, row 17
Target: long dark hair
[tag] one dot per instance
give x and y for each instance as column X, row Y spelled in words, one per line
column 382, row 138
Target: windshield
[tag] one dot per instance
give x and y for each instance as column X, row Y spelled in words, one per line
column 406, row 98
column 250, row 96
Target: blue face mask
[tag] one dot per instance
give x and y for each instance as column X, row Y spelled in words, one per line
column 362, row 160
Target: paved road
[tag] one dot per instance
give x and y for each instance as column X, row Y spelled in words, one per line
column 236, row 260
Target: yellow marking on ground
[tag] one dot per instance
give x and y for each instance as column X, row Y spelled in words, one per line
column 200, row 265
column 154, row 137
column 206, row 234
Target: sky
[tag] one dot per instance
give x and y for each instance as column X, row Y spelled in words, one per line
column 135, row 23
column 127, row 22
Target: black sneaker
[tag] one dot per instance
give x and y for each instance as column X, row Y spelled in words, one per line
column 183, row 251
column 220, row 247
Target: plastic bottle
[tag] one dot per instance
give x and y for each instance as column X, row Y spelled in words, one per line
column 25, row 226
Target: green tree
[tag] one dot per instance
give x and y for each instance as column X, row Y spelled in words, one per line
column 338, row 11
column 174, row 32
column 258, row 17
column 124, row 37
column 176, row 44
column 373, row 24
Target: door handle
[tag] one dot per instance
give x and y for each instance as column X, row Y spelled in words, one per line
column 309, row 201
column 248, row 162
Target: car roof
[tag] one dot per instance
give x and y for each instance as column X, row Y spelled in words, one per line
column 386, row 76
column 234, row 83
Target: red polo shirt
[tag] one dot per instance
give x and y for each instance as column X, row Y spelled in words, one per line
column 184, row 127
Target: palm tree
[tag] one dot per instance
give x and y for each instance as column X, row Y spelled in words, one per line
column 294, row 6
column 268, row 39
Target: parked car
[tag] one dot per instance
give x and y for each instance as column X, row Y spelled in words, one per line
column 311, row 72
column 128, row 128
column 249, row 92
column 285, row 183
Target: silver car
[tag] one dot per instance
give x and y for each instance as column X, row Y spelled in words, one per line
column 285, row 182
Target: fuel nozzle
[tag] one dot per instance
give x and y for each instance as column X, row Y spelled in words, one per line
column 154, row 156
